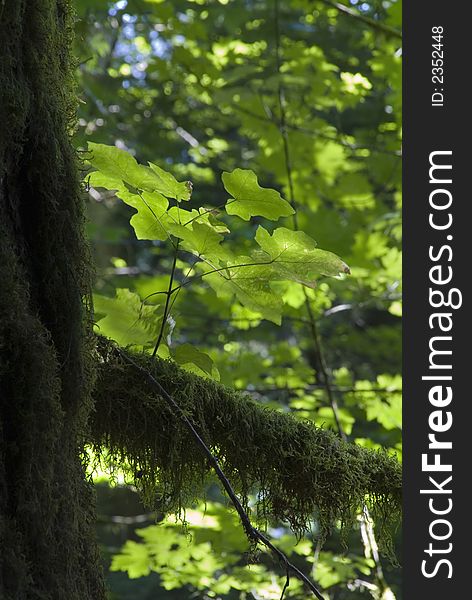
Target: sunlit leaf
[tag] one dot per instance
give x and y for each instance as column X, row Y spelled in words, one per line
column 120, row 166
column 249, row 282
column 125, row 320
column 201, row 239
column 169, row 186
column 134, row 558
column 187, row 355
column 250, row 199
column 294, row 255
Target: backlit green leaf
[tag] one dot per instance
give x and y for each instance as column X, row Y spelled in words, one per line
column 250, row 199
column 294, row 256
column 134, row 559
column 125, row 320
column 169, row 186
column 151, row 222
column 187, row 355
column 250, row 283
column 119, row 166
column 201, row 239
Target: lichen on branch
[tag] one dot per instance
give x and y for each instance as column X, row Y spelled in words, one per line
column 300, row 470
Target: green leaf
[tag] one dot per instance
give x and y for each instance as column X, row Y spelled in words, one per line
column 186, row 355
column 284, row 241
column 294, row 256
column 201, row 239
column 250, row 199
column 134, row 559
column 152, row 221
column 387, row 412
column 119, row 166
column 125, row 320
column 169, row 186
column 250, row 283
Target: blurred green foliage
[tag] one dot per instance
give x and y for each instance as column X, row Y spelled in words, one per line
column 307, row 98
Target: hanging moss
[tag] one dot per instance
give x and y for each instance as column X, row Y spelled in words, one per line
column 299, row 468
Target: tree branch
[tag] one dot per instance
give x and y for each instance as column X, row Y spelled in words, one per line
column 300, row 469
column 252, row 533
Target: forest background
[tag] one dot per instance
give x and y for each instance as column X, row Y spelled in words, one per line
column 307, row 95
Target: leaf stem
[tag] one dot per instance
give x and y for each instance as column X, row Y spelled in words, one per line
column 209, row 210
column 219, row 269
column 168, row 295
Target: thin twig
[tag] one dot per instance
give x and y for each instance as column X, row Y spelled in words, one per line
column 346, row 10
column 212, row 271
column 252, row 533
column 286, row 585
column 185, row 279
column 220, row 269
column 322, row 367
column 166, row 307
column 288, row 167
column 283, row 119
column 312, row 133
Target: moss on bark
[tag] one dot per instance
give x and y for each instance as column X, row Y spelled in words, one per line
column 46, row 373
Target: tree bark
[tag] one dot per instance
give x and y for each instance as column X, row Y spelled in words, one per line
column 47, row 543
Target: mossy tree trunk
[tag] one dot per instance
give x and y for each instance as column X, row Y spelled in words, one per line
column 47, row 546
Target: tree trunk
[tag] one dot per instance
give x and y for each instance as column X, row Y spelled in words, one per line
column 48, row 550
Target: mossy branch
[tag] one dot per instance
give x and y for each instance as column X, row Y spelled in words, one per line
column 300, row 469
column 253, row 534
